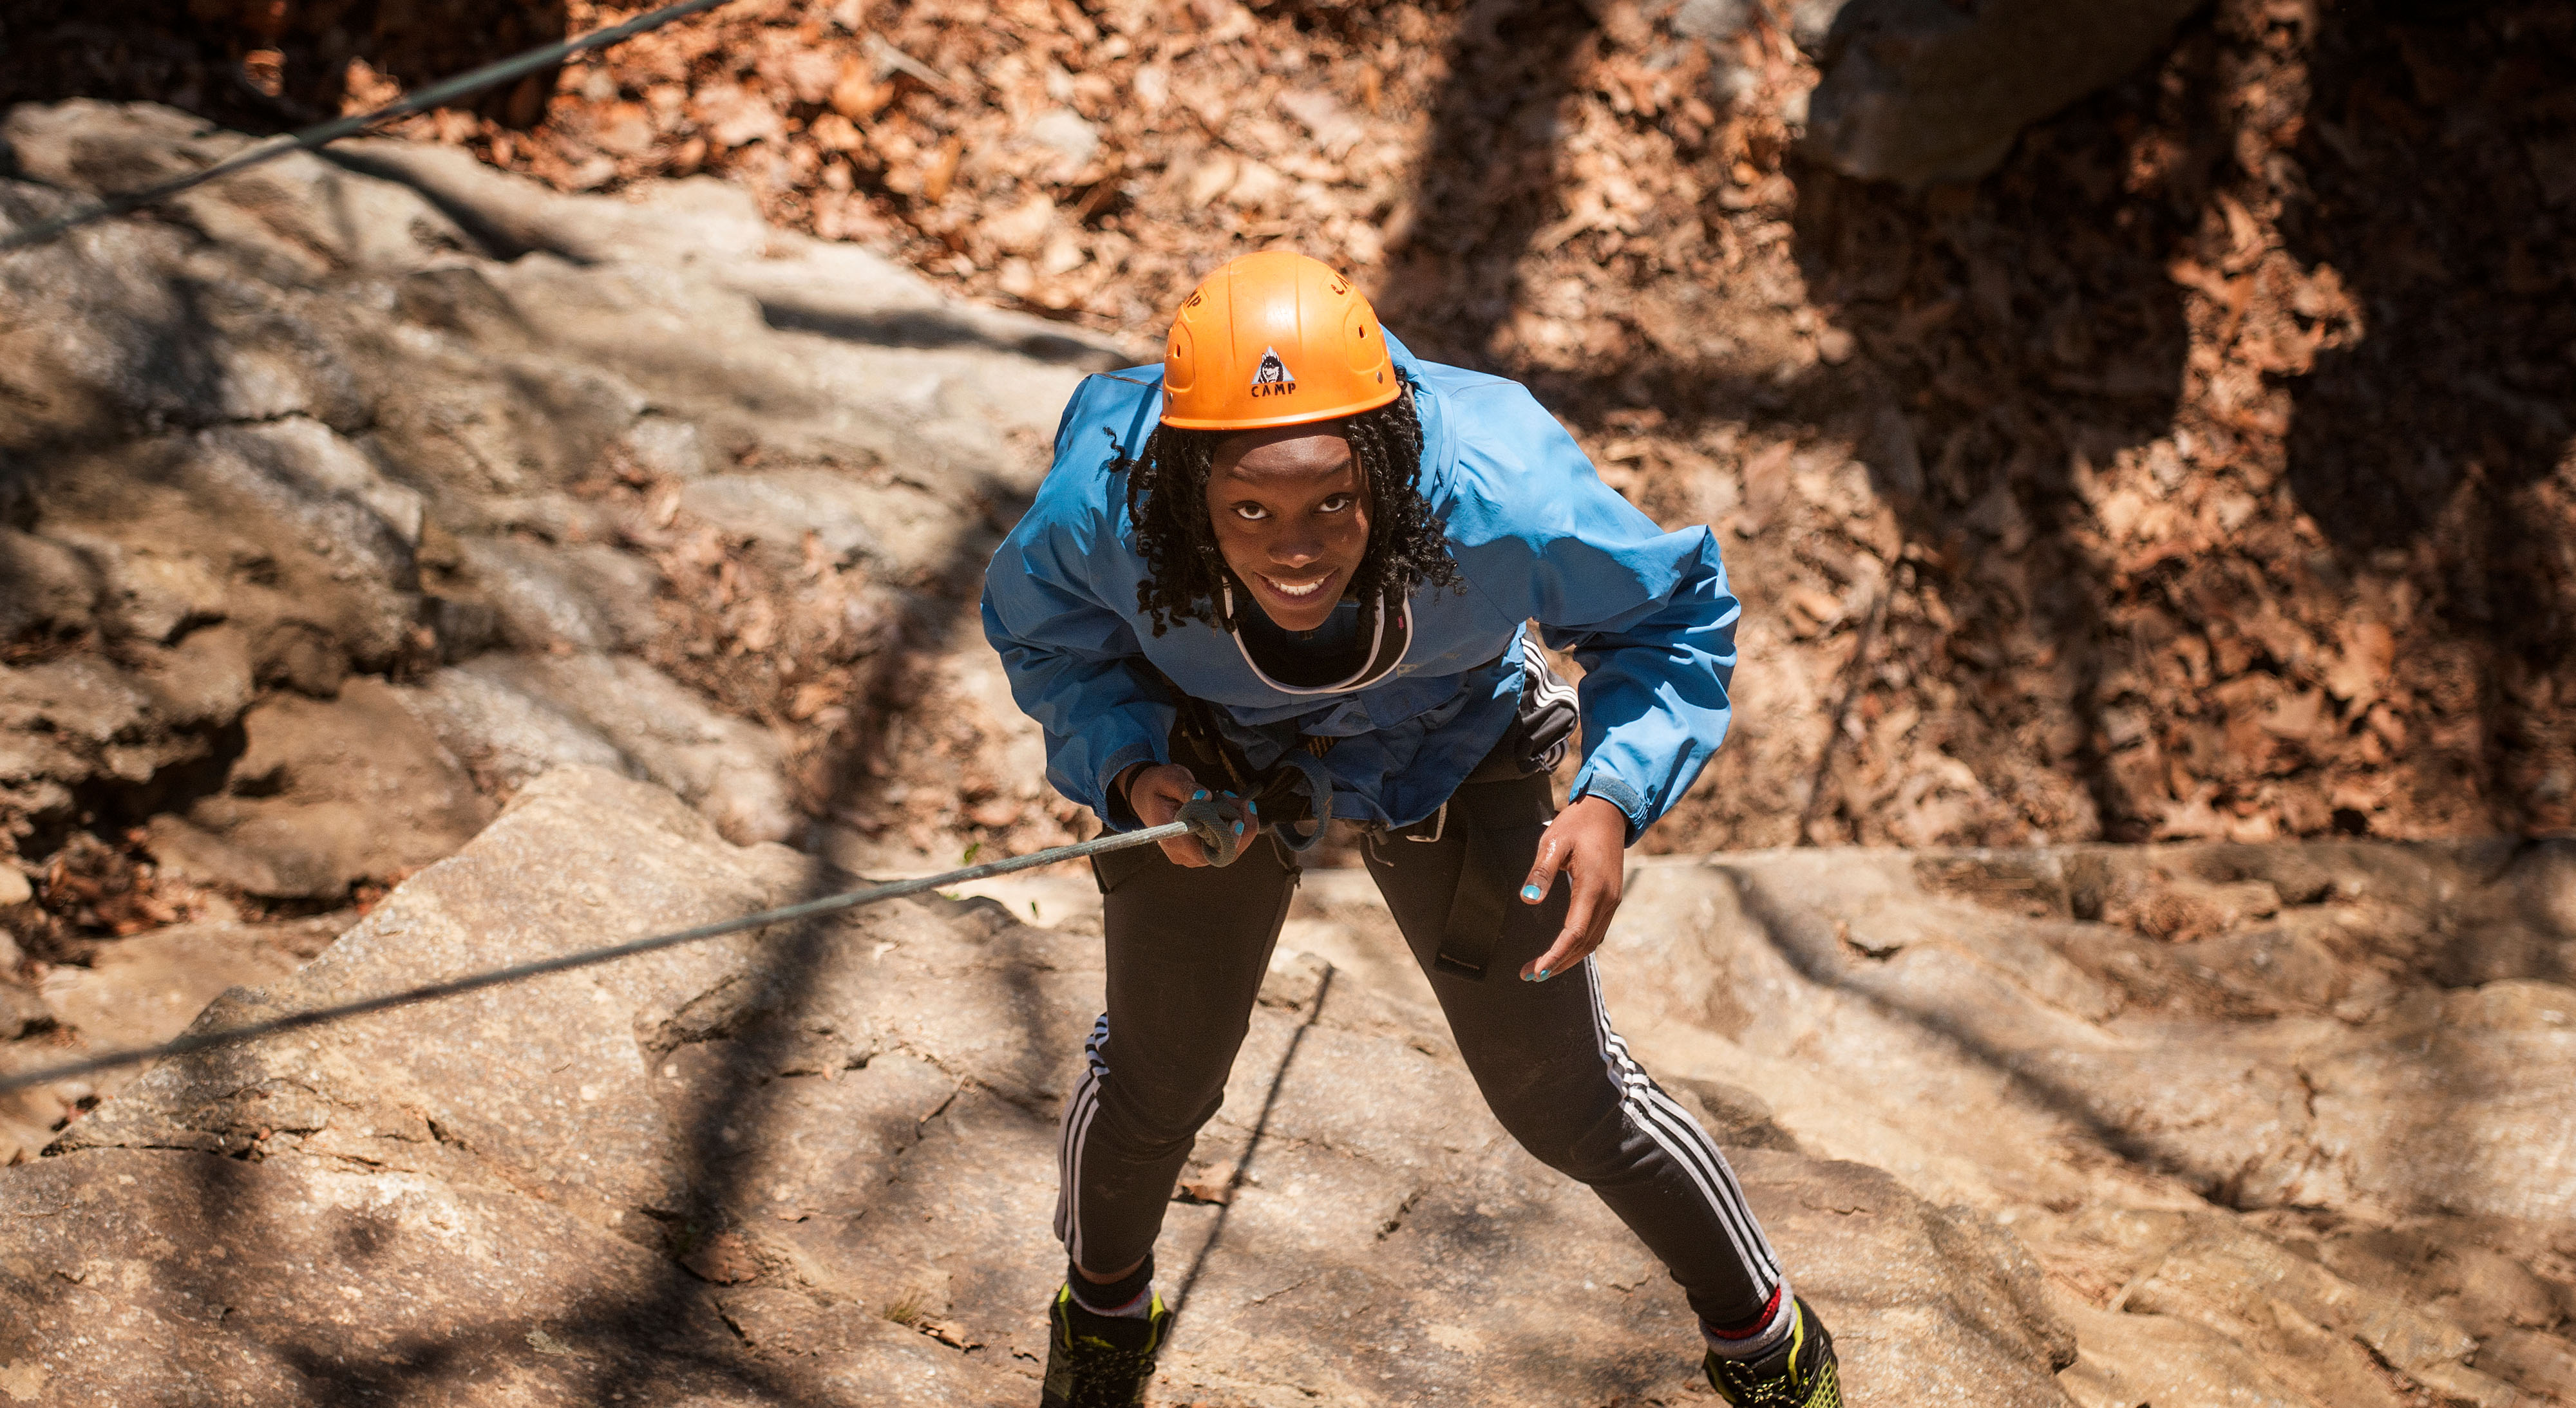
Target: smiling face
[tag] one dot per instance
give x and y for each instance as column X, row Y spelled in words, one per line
column 1291, row 519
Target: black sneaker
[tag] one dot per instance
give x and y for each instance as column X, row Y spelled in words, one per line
column 1797, row 1373
column 1100, row 1361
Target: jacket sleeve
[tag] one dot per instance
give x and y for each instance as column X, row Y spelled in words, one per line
column 1074, row 662
column 1648, row 614
column 1655, row 686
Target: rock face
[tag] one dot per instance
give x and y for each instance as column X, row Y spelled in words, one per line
column 386, row 474
column 143, row 990
column 302, row 814
column 817, row 1167
column 2283, row 1124
column 2181, row 1125
column 1918, row 91
column 341, row 498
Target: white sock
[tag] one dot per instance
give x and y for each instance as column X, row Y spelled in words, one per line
column 1130, row 1297
column 1136, row 1309
column 1782, row 1315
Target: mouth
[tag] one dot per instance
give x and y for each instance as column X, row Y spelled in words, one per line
column 1306, row 590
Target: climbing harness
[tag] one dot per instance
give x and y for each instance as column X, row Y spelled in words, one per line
column 324, row 133
column 1217, row 822
column 1297, row 786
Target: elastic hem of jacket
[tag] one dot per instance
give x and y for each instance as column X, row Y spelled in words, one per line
column 1606, row 785
column 1114, row 810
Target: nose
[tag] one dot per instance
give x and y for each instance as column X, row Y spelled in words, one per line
column 1296, row 546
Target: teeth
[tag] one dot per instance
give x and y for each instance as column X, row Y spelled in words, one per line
column 1309, row 589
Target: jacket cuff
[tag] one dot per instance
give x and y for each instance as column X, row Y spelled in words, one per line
column 1605, row 784
column 1114, row 811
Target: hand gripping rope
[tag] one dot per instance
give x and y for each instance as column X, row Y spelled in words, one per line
column 322, row 133
column 1216, row 821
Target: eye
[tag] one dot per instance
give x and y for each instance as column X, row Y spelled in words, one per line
column 1251, row 513
column 1335, row 503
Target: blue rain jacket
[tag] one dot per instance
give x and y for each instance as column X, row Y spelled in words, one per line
column 1537, row 536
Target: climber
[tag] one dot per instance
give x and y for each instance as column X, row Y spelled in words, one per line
column 1290, row 572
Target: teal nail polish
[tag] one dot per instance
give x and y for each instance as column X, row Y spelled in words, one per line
column 1544, row 973
column 1199, row 796
column 1533, row 893
column 1238, row 828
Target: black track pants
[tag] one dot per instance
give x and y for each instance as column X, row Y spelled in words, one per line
column 1187, row 952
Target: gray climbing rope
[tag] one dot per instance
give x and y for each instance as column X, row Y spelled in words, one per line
column 323, row 133
column 1216, row 822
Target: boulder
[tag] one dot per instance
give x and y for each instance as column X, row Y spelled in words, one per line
column 726, row 767
column 148, row 988
column 325, row 793
column 895, row 526
column 1921, row 91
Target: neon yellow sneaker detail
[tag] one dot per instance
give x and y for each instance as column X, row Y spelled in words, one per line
column 1799, row 1372
column 1100, row 1361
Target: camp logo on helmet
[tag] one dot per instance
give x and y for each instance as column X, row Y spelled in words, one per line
column 1272, row 377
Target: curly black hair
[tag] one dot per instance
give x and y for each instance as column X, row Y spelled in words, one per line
column 1184, row 573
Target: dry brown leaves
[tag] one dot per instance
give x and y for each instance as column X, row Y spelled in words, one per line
column 2104, row 603
column 2202, row 472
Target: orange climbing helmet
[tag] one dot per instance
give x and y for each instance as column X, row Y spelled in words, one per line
column 1274, row 339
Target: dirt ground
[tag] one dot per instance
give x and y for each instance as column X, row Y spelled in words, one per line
column 2203, row 472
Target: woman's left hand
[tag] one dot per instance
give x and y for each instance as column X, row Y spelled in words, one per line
column 1589, row 842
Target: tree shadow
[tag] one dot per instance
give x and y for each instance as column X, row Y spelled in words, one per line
column 2443, row 191
column 1486, row 182
column 929, row 328
column 2010, row 358
column 1992, row 342
column 743, row 1115
column 623, row 1342
column 2446, row 263
column 2007, row 338
column 2102, row 1096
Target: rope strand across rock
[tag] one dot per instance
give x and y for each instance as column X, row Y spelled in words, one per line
column 1216, row 822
